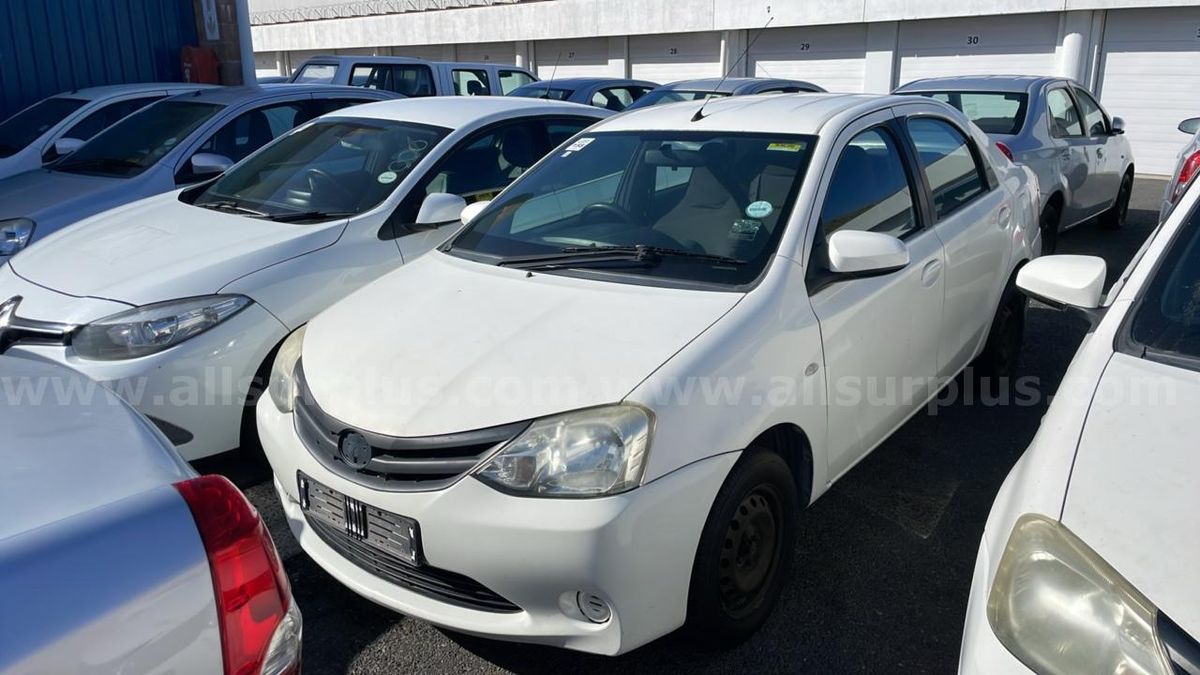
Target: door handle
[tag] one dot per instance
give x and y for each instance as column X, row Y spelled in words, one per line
column 931, row 272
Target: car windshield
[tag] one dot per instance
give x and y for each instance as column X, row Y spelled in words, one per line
column 695, row 207
column 332, row 168
column 137, row 142
column 662, row 96
column 1166, row 322
column 24, row 128
column 534, row 91
column 995, row 112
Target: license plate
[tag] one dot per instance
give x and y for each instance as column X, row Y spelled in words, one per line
column 397, row 536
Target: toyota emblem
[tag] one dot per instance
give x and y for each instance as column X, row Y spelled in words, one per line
column 354, row 449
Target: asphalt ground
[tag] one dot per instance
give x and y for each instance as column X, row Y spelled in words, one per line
column 881, row 571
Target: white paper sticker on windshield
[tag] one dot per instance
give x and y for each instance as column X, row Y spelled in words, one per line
column 387, row 177
column 759, row 209
column 577, row 146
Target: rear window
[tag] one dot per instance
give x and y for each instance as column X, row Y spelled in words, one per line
column 552, row 93
column 1165, row 324
column 995, row 112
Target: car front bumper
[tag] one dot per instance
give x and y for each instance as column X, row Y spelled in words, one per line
column 634, row 550
column 195, row 392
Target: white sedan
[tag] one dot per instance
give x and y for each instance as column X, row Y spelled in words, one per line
column 598, row 411
column 178, row 301
column 1088, row 562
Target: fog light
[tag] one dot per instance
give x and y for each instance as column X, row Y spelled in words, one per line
column 593, row 607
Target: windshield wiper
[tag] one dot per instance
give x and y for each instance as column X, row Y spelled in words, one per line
column 307, row 215
column 229, row 205
column 573, row 256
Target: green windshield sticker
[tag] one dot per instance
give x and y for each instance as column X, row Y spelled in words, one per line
column 387, row 177
column 759, row 209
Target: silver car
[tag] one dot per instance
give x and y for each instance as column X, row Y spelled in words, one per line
column 115, row 557
column 1057, row 128
column 169, row 144
column 1187, row 166
column 57, row 125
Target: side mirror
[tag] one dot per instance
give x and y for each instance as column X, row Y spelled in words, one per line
column 66, row 145
column 439, row 208
column 1190, row 126
column 1065, row 280
column 860, row 253
column 1118, row 126
column 210, row 164
column 473, row 210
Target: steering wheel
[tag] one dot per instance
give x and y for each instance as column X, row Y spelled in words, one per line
column 593, row 211
column 320, row 181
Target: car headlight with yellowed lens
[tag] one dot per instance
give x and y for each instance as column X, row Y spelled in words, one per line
column 282, row 384
column 152, row 328
column 15, row 234
column 586, row 453
column 1061, row 609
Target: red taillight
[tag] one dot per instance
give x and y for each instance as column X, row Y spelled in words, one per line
column 1006, row 150
column 1186, row 173
column 252, row 591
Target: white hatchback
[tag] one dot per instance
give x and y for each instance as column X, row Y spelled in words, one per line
column 178, row 301
column 1088, row 562
column 598, row 411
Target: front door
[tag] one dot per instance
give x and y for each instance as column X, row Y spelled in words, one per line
column 880, row 334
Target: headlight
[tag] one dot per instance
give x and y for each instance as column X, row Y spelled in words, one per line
column 282, row 384
column 153, row 328
column 1059, row 608
column 15, row 235
column 587, row 453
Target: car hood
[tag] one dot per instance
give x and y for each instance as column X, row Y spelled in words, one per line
column 52, row 196
column 75, row 451
column 445, row 345
column 161, row 249
column 1133, row 493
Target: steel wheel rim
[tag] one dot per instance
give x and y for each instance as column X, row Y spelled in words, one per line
column 750, row 551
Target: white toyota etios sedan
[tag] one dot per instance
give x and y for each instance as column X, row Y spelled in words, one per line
column 1090, row 560
column 597, row 412
column 178, row 301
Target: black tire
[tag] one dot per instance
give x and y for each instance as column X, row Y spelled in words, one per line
column 1114, row 218
column 1049, row 225
column 745, row 551
column 1002, row 351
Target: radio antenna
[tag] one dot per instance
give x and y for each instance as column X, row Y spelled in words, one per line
column 552, row 72
column 700, row 113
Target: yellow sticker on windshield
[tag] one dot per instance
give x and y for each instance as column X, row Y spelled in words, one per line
column 786, row 147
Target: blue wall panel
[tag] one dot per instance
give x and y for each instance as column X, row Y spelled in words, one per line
column 49, row 46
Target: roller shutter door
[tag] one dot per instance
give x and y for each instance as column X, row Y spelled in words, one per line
column 1150, row 78
column 833, row 57
column 1020, row 44
column 680, row 56
column 488, row 52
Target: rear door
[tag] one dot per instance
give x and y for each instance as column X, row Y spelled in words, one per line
column 972, row 216
column 879, row 333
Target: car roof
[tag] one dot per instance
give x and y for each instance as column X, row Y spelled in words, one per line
column 231, row 95
column 805, row 113
column 581, row 82
column 351, row 58
column 978, row 83
column 452, row 112
column 105, row 91
column 728, row 85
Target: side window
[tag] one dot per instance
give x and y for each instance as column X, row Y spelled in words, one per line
column 250, row 131
column 409, row 80
column 511, row 79
column 471, row 83
column 1093, row 118
column 1064, row 116
column 612, row 98
column 870, row 189
column 481, row 166
column 954, row 176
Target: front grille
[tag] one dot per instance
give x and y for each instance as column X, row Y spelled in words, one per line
column 396, row 464
column 1182, row 649
column 443, row 585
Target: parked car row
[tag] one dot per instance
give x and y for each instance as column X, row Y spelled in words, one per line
column 540, row 372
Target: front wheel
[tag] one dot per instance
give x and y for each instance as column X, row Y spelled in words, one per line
column 745, row 551
column 1114, row 218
